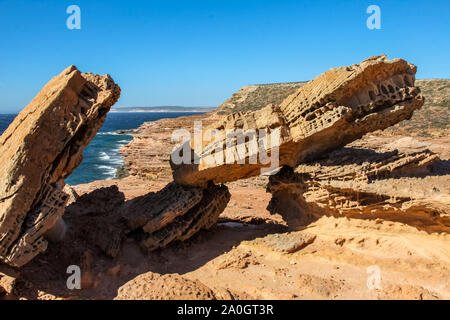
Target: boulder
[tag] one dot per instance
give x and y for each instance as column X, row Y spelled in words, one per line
column 42, row 147
column 154, row 286
column 334, row 109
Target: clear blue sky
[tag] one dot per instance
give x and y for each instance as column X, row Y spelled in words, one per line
column 197, row 53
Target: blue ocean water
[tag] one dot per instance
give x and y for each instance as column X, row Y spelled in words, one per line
column 101, row 157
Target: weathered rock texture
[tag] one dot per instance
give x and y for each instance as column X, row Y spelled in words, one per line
column 175, row 213
column 269, row 119
column 366, row 183
column 328, row 112
column 39, row 150
column 153, row 286
column 433, row 119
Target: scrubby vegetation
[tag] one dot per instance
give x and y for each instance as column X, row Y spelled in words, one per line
column 432, row 120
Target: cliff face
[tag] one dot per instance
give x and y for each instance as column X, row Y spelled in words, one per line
column 147, row 155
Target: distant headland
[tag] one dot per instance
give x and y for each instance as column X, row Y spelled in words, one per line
column 163, row 109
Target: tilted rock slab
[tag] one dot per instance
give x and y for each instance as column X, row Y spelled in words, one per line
column 408, row 187
column 175, row 213
column 334, row 109
column 42, row 147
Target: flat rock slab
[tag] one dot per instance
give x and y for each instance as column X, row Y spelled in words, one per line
column 289, row 242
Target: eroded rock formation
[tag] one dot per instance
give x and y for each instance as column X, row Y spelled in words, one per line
column 246, row 157
column 39, row 150
column 334, row 109
column 175, row 213
column 366, row 182
column 44, row 145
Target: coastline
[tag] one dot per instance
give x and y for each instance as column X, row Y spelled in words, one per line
column 160, row 111
column 102, row 158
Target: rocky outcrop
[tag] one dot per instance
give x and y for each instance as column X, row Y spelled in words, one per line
column 234, row 151
column 179, row 213
column 175, row 213
column 39, row 150
column 332, row 110
column 366, row 182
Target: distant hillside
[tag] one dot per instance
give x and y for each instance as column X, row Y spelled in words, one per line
column 254, row 97
column 163, row 109
column 432, row 119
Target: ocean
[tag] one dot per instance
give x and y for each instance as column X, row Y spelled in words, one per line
column 101, row 158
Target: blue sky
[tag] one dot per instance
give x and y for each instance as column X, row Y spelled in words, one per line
column 197, row 53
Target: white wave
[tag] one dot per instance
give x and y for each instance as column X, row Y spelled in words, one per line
column 117, row 161
column 104, row 156
column 112, row 133
column 101, row 166
column 106, row 168
column 115, row 133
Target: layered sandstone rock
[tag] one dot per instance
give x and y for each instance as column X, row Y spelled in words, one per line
column 366, row 182
column 328, row 112
column 39, row 150
column 343, row 104
column 154, row 220
column 233, row 150
column 174, row 213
